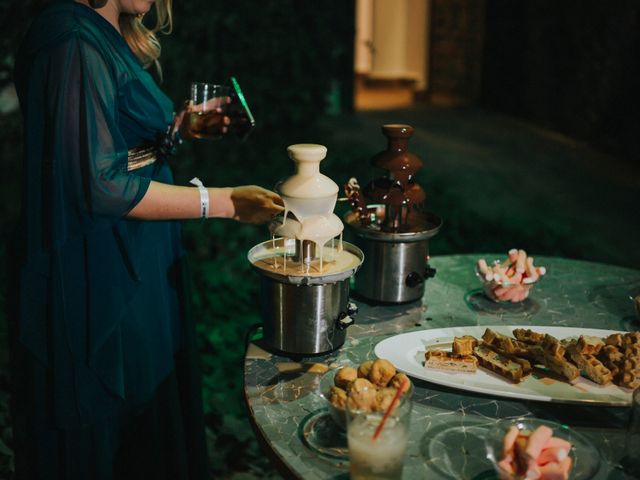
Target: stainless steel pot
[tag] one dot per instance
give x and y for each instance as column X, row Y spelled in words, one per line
column 397, row 265
column 304, row 315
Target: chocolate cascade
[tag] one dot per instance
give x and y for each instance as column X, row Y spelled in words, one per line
column 390, row 224
column 397, row 190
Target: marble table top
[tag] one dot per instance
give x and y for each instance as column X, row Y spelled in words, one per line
column 290, row 416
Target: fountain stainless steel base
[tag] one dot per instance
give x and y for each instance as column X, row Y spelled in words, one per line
column 397, row 264
column 304, row 315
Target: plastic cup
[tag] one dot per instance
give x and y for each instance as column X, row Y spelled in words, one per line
column 381, row 458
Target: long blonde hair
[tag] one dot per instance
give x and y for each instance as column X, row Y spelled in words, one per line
column 142, row 39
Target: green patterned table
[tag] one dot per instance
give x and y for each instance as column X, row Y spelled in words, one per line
column 290, row 416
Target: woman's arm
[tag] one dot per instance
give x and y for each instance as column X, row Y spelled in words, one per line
column 248, row 204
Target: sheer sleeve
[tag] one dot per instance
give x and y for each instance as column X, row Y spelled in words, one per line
column 91, row 188
column 76, row 276
column 98, row 316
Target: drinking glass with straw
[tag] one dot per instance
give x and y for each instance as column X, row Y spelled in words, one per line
column 378, row 440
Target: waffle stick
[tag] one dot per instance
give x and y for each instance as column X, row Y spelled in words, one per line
column 612, row 358
column 615, row 339
column 500, row 364
column 558, row 365
column 590, row 365
column 527, row 368
column 629, row 375
column 552, row 346
column 589, row 345
column 631, row 338
column 464, row 345
column 505, row 344
column 528, row 336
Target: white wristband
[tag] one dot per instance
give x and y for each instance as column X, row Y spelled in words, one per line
column 204, row 196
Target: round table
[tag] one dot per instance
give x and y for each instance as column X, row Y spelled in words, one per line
column 290, row 418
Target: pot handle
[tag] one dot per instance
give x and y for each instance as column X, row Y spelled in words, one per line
column 429, row 272
column 345, row 319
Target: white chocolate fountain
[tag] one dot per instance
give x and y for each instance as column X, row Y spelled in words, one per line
column 305, row 268
column 311, row 197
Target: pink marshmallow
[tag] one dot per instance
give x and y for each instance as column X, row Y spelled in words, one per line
column 533, row 471
column 509, row 440
column 520, row 262
column 556, row 471
column 482, row 266
column 506, row 293
column 555, row 442
column 521, row 296
column 537, row 441
column 552, row 455
column 505, row 465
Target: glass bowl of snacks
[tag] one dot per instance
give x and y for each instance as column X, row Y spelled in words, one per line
column 370, row 385
column 509, row 280
column 522, row 448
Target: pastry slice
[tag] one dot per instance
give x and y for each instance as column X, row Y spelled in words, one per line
column 442, row 360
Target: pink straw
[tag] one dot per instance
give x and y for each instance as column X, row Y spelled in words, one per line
column 391, row 406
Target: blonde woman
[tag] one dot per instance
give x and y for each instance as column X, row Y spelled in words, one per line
column 105, row 383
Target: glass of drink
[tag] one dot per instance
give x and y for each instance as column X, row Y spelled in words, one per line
column 378, row 439
column 214, row 110
column 206, row 111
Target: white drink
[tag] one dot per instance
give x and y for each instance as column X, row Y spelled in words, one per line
column 381, row 459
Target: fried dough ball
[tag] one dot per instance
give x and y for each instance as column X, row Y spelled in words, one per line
column 361, row 394
column 381, row 372
column 397, row 380
column 364, row 369
column 344, row 376
column 384, row 397
column 338, row 397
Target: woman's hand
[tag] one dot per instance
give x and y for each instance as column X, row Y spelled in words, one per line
column 211, row 122
column 253, row 204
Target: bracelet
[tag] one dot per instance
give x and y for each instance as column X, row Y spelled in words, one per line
column 204, row 196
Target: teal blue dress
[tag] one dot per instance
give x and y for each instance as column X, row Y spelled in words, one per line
column 105, row 379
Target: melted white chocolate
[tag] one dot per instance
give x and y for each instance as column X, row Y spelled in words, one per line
column 311, row 197
column 332, row 260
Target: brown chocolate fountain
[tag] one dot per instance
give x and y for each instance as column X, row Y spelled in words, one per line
column 390, row 224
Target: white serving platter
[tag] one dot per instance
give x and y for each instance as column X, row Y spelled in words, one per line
column 406, row 352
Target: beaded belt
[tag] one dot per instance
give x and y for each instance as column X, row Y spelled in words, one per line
column 141, row 157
